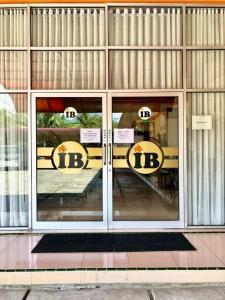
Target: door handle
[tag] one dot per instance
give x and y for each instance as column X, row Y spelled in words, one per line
column 104, row 154
column 110, row 154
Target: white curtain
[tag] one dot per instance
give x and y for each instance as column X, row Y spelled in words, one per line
column 144, row 69
column 206, row 161
column 137, row 69
column 13, row 70
column 205, row 26
column 13, row 27
column 145, row 27
column 13, row 160
column 68, row 70
column 205, row 69
column 68, row 27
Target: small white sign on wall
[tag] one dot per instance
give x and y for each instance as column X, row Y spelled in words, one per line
column 200, row 122
column 90, row 135
column 123, row 135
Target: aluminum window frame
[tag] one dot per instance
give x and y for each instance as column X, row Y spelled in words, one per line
column 184, row 48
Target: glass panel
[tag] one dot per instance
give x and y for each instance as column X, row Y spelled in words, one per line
column 13, row 160
column 68, row 27
column 205, row 26
column 13, row 70
column 13, row 27
column 145, row 69
column 139, row 194
column 206, row 158
column 145, row 26
column 205, row 69
column 69, row 163
column 68, row 70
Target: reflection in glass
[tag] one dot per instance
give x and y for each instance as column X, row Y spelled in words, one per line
column 153, row 196
column 60, row 196
column 13, row 160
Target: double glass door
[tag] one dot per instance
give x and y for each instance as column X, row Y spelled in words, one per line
column 105, row 161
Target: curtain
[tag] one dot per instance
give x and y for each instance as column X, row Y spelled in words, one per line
column 13, row 160
column 144, row 69
column 205, row 26
column 139, row 69
column 145, row 26
column 205, row 69
column 206, row 161
column 13, row 27
column 68, row 70
column 13, row 70
column 68, row 27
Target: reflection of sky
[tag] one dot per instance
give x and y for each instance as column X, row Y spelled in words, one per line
column 6, row 103
column 116, row 117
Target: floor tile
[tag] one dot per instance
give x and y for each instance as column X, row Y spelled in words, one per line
column 213, row 240
column 5, row 240
column 201, row 258
column 118, row 260
column 14, row 259
column 150, row 259
column 59, row 260
column 96, row 260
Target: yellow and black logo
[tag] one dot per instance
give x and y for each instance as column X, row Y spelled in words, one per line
column 145, row 157
column 70, row 157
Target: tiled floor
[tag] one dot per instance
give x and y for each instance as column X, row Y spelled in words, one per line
column 15, row 253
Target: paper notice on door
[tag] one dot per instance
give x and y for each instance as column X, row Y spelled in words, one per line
column 90, row 136
column 123, row 135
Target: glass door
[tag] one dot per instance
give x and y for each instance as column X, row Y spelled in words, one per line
column 70, row 165
column 145, row 188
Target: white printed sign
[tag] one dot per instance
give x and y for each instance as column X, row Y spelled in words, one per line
column 123, row 135
column 200, row 122
column 90, row 135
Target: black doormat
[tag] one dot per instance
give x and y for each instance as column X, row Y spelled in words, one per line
column 112, row 242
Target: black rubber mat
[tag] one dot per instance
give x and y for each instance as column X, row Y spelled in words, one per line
column 112, row 242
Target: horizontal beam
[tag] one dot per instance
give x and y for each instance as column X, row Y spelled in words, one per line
column 201, row 2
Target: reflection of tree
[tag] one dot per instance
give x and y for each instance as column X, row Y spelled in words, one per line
column 51, row 138
column 54, row 120
column 12, row 120
column 86, row 120
column 115, row 124
column 50, row 120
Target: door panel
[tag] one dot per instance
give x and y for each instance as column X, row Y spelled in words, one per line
column 107, row 164
column 145, row 173
column 70, row 173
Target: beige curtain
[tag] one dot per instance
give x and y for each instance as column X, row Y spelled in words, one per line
column 144, row 69
column 206, row 161
column 137, row 69
column 68, row 70
column 145, row 27
column 205, row 69
column 68, row 27
column 13, row 70
column 13, row 160
column 13, row 27
column 205, row 26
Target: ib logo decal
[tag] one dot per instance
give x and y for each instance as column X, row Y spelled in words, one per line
column 144, row 113
column 145, row 157
column 70, row 157
column 70, row 113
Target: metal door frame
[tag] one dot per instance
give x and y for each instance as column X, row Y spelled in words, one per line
column 149, row 224
column 67, row 225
